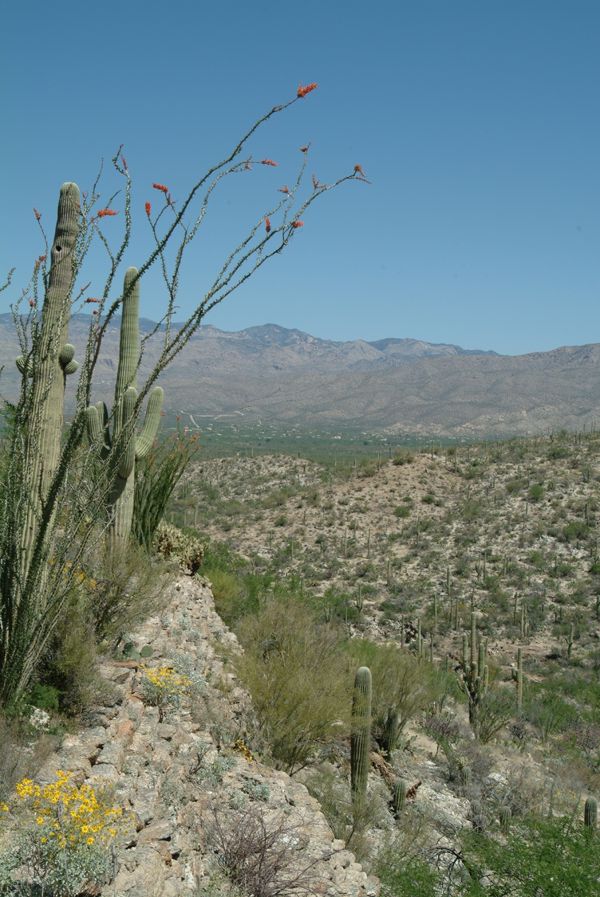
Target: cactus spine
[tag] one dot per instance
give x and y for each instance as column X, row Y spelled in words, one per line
column 360, row 739
column 129, row 446
column 590, row 813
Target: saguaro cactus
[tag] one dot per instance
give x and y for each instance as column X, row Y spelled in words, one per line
column 399, row 797
column 590, row 813
column 129, row 446
column 474, row 672
column 50, row 360
column 518, row 677
column 30, row 501
column 360, row 740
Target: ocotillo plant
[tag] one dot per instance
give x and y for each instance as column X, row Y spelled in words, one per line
column 124, row 417
column 360, row 739
column 39, row 548
column 155, row 481
column 474, row 673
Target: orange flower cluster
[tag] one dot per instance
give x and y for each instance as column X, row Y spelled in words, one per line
column 104, row 213
column 302, row 91
column 161, row 187
column 148, row 208
column 358, row 170
column 297, row 223
column 269, row 162
column 268, row 224
column 284, row 189
column 91, row 299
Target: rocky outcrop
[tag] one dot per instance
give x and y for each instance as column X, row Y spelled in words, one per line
column 184, row 772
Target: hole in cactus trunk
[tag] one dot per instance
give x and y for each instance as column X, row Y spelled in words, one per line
column 58, row 248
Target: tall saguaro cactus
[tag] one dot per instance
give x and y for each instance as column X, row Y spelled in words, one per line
column 50, row 360
column 29, row 501
column 474, row 672
column 360, row 739
column 124, row 417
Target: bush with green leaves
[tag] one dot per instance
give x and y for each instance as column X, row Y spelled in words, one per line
column 536, row 858
column 294, row 667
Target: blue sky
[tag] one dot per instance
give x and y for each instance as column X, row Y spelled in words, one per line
column 477, row 121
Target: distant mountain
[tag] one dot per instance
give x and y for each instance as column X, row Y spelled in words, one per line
column 285, row 376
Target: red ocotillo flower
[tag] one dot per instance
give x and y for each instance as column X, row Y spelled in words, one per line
column 305, row 149
column 284, row 189
column 358, row 170
column 148, row 208
column 92, row 299
column 269, row 162
column 268, row 224
column 161, row 187
column 37, row 214
column 297, row 223
column 302, row 91
column 104, row 213
column 32, row 303
column 41, row 258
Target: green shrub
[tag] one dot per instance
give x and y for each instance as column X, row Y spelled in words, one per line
column 124, row 590
column 402, row 511
column 406, row 877
column 293, row 666
column 550, row 857
column 535, row 492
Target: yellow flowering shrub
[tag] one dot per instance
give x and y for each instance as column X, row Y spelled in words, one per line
column 162, row 686
column 65, row 835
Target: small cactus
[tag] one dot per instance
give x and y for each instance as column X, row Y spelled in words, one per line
column 590, row 813
column 504, row 818
column 360, row 740
column 399, row 797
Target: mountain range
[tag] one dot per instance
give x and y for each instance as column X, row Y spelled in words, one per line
column 404, row 386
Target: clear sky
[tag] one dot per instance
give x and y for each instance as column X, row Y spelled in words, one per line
column 478, row 122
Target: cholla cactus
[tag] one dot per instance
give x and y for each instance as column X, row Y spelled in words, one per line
column 124, row 416
column 187, row 550
column 360, row 740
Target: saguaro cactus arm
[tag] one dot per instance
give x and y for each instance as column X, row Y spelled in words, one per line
column 143, row 442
